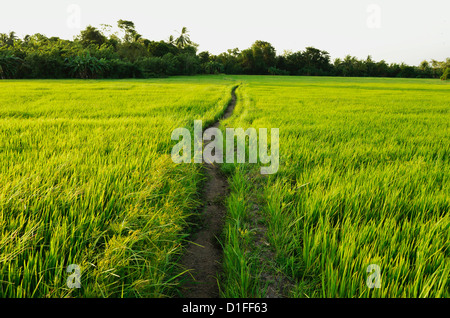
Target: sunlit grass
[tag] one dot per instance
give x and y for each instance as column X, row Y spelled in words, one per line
column 363, row 179
column 86, row 178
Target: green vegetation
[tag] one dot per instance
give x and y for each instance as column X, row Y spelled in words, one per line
column 444, row 76
column 102, row 53
column 86, row 178
column 364, row 179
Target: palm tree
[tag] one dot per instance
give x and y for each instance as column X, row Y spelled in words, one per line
column 3, row 39
column 8, row 39
column 183, row 40
column 12, row 38
column 9, row 65
column 171, row 40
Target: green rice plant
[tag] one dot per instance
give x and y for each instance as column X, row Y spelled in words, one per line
column 240, row 270
column 86, row 178
column 363, row 179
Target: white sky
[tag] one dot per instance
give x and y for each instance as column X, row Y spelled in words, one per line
column 394, row 30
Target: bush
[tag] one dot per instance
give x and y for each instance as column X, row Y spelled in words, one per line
column 189, row 64
column 106, row 52
column 214, row 68
column 407, row 71
column 161, row 48
column 86, row 66
column 44, row 65
column 122, row 69
column 276, row 71
column 152, row 66
column 172, row 64
column 9, row 65
column 445, row 75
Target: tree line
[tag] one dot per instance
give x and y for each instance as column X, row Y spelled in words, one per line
column 126, row 54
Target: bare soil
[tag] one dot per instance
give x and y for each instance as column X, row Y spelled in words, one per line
column 203, row 253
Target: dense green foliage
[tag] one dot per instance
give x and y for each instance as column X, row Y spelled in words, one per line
column 92, row 54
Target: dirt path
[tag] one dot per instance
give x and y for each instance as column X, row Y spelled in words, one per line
column 203, row 254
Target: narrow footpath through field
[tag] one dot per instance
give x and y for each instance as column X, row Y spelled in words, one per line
column 203, row 254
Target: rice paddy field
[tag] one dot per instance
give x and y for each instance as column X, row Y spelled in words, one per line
column 363, row 179
column 86, row 178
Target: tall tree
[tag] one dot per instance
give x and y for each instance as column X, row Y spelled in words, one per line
column 266, row 52
column 171, row 40
column 130, row 32
column 259, row 58
column 446, row 74
column 91, row 35
column 316, row 61
column 184, row 39
column 8, row 39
